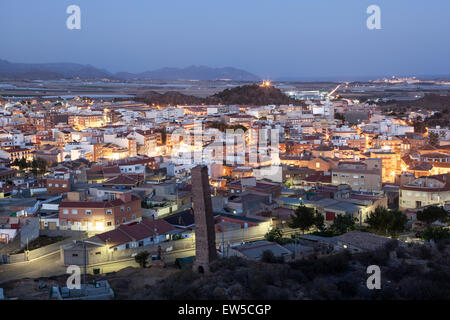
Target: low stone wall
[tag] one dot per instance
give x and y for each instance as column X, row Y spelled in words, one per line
column 76, row 235
column 13, row 246
column 54, row 247
column 71, row 255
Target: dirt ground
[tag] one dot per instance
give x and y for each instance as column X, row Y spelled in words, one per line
column 125, row 283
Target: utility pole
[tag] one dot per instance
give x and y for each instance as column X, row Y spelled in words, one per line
column 360, row 219
column 85, row 266
column 295, row 246
column 223, row 241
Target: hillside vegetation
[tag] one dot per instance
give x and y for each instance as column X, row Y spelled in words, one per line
column 243, row 95
column 413, row 272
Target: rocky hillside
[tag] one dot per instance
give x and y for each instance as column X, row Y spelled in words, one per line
column 415, row 272
column 429, row 101
column 243, row 95
column 168, row 98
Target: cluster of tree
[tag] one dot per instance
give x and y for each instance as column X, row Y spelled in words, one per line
column 274, row 235
column 427, row 102
column 172, row 98
column 438, row 119
column 343, row 224
column 382, row 220
column 243, row 95
column 435, row 234
column 252, row 95
column 38, row 165
column 433, row 139
column 419, row 125
column 432, row 214
column 269, row 257
column 221, row 126
column 305, row 218
column 141, row 258
column 388, row 222
column 339, row 116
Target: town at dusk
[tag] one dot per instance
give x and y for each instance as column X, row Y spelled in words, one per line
column 228, row 159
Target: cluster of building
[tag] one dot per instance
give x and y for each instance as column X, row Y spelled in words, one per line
column 122, row 170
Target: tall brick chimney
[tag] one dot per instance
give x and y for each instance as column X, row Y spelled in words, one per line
column 205, row 237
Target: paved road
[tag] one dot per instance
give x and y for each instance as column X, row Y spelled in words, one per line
column 47, row 266
column 51, row 265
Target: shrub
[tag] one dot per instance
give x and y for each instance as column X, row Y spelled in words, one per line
column 401, row 253
column 380, row 257
column 230, row 263
column 325, row 289
column 141, row 258
column 181, row 286
column 334, row 264
column 256, row 284
column 268, row 257
column 423, row 252
column 442, row 245
column 347, row 288
column 391, row 245
column 275, row 235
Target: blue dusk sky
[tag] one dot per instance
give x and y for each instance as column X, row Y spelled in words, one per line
column 308, row 39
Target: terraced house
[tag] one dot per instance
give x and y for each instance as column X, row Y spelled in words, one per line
column 425, row 191
column 98, row 215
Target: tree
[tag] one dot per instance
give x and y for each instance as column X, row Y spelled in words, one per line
column 343, row 223
column 387, row 222
column 16, row 162
column 433, row 138
column 41, row 164
column 274, row 235
column 377, row 220
column 435, row 234
column 339, row 116
column 22, row 163
column 141, row 258
column 268, row 257
column 304, row 218
column 419, row 126
column 432, row 214
column 319, row 221
column 397, row 222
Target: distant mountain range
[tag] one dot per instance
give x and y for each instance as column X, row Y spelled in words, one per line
column 192, row 73
column 53, row 71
